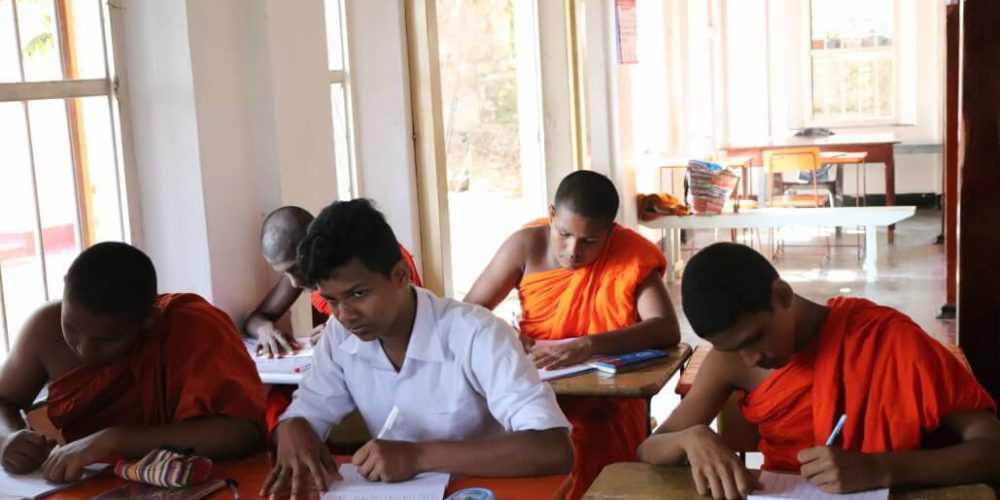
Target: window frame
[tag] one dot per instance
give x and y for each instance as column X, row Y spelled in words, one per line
column 342, row 77
column 108, row 86
column 808, row 117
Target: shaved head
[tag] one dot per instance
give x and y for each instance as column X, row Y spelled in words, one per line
column 588, row 194
column 281, row 233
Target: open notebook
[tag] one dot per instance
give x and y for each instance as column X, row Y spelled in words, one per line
column 33, row 485
column 426, row 486
column 795, row 486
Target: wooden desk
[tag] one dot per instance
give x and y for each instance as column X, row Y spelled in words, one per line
column 637, row 481
column 644, row 382
column 878, row 146
column 250, row 473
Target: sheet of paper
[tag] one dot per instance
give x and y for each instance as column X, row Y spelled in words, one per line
column 34, row 485
column 796, row 486
column 427, row 486
column 569, row 371
column 293, row 363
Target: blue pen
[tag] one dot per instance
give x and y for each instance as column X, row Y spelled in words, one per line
column 836, row 430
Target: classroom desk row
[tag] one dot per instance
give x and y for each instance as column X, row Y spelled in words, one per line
column 250, row 473
column 634, row 481
column 638, row 481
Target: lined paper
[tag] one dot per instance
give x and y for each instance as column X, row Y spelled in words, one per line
column 796, row 486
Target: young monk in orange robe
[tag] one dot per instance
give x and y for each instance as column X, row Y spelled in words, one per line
column 799, row 366
column 280, row 235
column 580, row 276
column 130, row 371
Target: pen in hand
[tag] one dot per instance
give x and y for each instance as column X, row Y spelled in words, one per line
column 836, row 430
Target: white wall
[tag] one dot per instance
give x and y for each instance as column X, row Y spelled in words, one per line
column 165, row 145
column 226, row 126
column 383, row 124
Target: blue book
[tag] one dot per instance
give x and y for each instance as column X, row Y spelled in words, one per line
column 622, row 362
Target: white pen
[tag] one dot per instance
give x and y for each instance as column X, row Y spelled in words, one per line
column 387, row 426
column 24, row 416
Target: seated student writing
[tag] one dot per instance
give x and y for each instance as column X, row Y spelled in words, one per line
column 799, row 366
column 580, row 276
column 280, row 235
column 468, row 400
column 128, row 371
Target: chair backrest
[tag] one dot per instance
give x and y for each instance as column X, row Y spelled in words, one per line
column 804, row 159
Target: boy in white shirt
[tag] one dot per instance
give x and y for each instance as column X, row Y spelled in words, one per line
column 469, row 402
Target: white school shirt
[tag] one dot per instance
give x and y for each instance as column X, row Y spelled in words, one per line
column 465, row 375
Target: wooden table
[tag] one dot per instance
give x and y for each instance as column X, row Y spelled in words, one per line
column 878, row 146
column 644, row 382
column 870, row 217
column 637, row 481
column 250, row 474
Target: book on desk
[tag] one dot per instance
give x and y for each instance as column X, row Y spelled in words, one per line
column 624, row 362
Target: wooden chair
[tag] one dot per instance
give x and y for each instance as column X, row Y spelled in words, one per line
column 787, row 164
column 795, row 193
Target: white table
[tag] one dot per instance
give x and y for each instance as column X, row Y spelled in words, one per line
column 869, row 217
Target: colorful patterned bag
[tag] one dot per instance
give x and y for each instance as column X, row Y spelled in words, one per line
column 165, row 467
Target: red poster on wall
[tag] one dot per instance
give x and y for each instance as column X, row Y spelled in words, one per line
column 625, row 24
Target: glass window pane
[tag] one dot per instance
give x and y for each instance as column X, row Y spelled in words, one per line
column 490, row 189
column 341, row 143
column 845, row 24
column 50, row 134
column 9, row 69
column 852, row 59
column 334, row 34
column 20, row 262
column 83, row 24
column 99, row 162
column 39, row 40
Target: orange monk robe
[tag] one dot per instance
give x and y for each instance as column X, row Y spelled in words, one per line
column 191, row 363
column 279, row 397
column 894, row 382
column 566, row 303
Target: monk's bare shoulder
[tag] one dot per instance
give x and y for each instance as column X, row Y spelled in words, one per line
column 42, row 339
column 534, row 244
column 728, row 368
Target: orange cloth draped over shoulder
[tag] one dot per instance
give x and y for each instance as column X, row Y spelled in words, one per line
column 192, row 363
column 279, row 397
column 894, row 382
column 566, row 303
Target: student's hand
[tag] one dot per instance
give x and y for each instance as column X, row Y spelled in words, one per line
column 388, row 461
column 274, row 343
column 316, row 334
column 562, row 355
column 65, row 464
column 835, row 470
column 302, row 462
column 717, row 471
column 25, row 451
